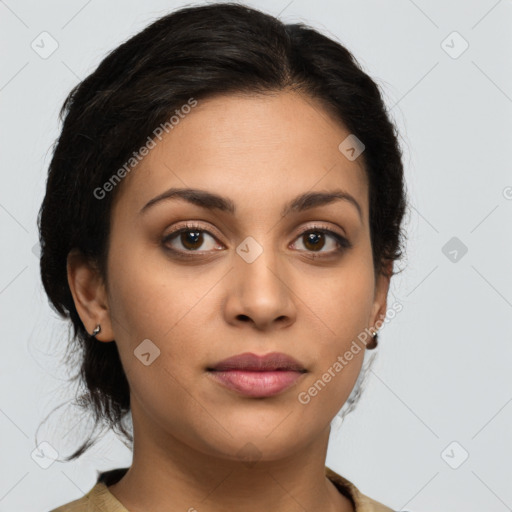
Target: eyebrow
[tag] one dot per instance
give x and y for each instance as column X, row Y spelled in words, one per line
column 211, row 201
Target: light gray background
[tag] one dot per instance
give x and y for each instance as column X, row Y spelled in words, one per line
column 443, row 370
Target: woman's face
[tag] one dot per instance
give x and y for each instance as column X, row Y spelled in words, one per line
column 243, row 279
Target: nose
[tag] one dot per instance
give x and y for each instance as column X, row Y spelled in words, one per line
column 260, row 293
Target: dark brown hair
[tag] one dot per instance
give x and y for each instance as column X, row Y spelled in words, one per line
column 198, row 52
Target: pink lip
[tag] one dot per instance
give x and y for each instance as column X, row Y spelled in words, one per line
column 258, row 376
column 267, row 362
column 257, row 384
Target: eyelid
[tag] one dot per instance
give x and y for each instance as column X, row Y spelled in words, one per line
column 191, row 225
column 320, row 227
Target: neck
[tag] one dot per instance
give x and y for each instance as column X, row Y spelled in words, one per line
column 169, row 475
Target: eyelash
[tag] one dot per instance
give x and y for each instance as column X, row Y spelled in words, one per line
column 343, row 243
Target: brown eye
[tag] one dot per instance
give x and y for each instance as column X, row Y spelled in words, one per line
column 316, row 239
column 189, row 239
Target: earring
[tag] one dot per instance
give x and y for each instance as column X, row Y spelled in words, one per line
column 374, row 342
column 97, row 329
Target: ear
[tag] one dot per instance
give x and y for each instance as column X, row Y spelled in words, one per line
column 380, row 298
column 89, row 295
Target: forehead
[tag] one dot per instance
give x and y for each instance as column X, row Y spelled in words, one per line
column 253, row 148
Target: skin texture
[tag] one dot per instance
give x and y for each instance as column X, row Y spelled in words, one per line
column 191, row 434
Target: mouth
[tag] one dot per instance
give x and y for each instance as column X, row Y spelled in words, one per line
column 257, row 376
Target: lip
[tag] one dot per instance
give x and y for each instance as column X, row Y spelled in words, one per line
column 258, row 376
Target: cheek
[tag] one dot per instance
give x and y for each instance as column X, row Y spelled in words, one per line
column 343, row 304
column 341, row 309
column 149, row 297
column 148, row 303
column 152, row 301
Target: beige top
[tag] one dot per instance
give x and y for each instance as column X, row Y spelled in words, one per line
column 99, row 498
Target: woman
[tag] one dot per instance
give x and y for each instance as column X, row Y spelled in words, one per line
column 222, row 216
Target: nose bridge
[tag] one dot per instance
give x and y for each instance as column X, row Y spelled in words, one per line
column 257, row 264
column 261, row 291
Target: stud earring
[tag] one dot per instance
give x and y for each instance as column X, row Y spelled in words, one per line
column 97, row 329
column 374, row 342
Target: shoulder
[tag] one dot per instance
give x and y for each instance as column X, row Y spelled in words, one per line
column 361, row 502
column 98, row 498
column 80, row 505
column 371, row 505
